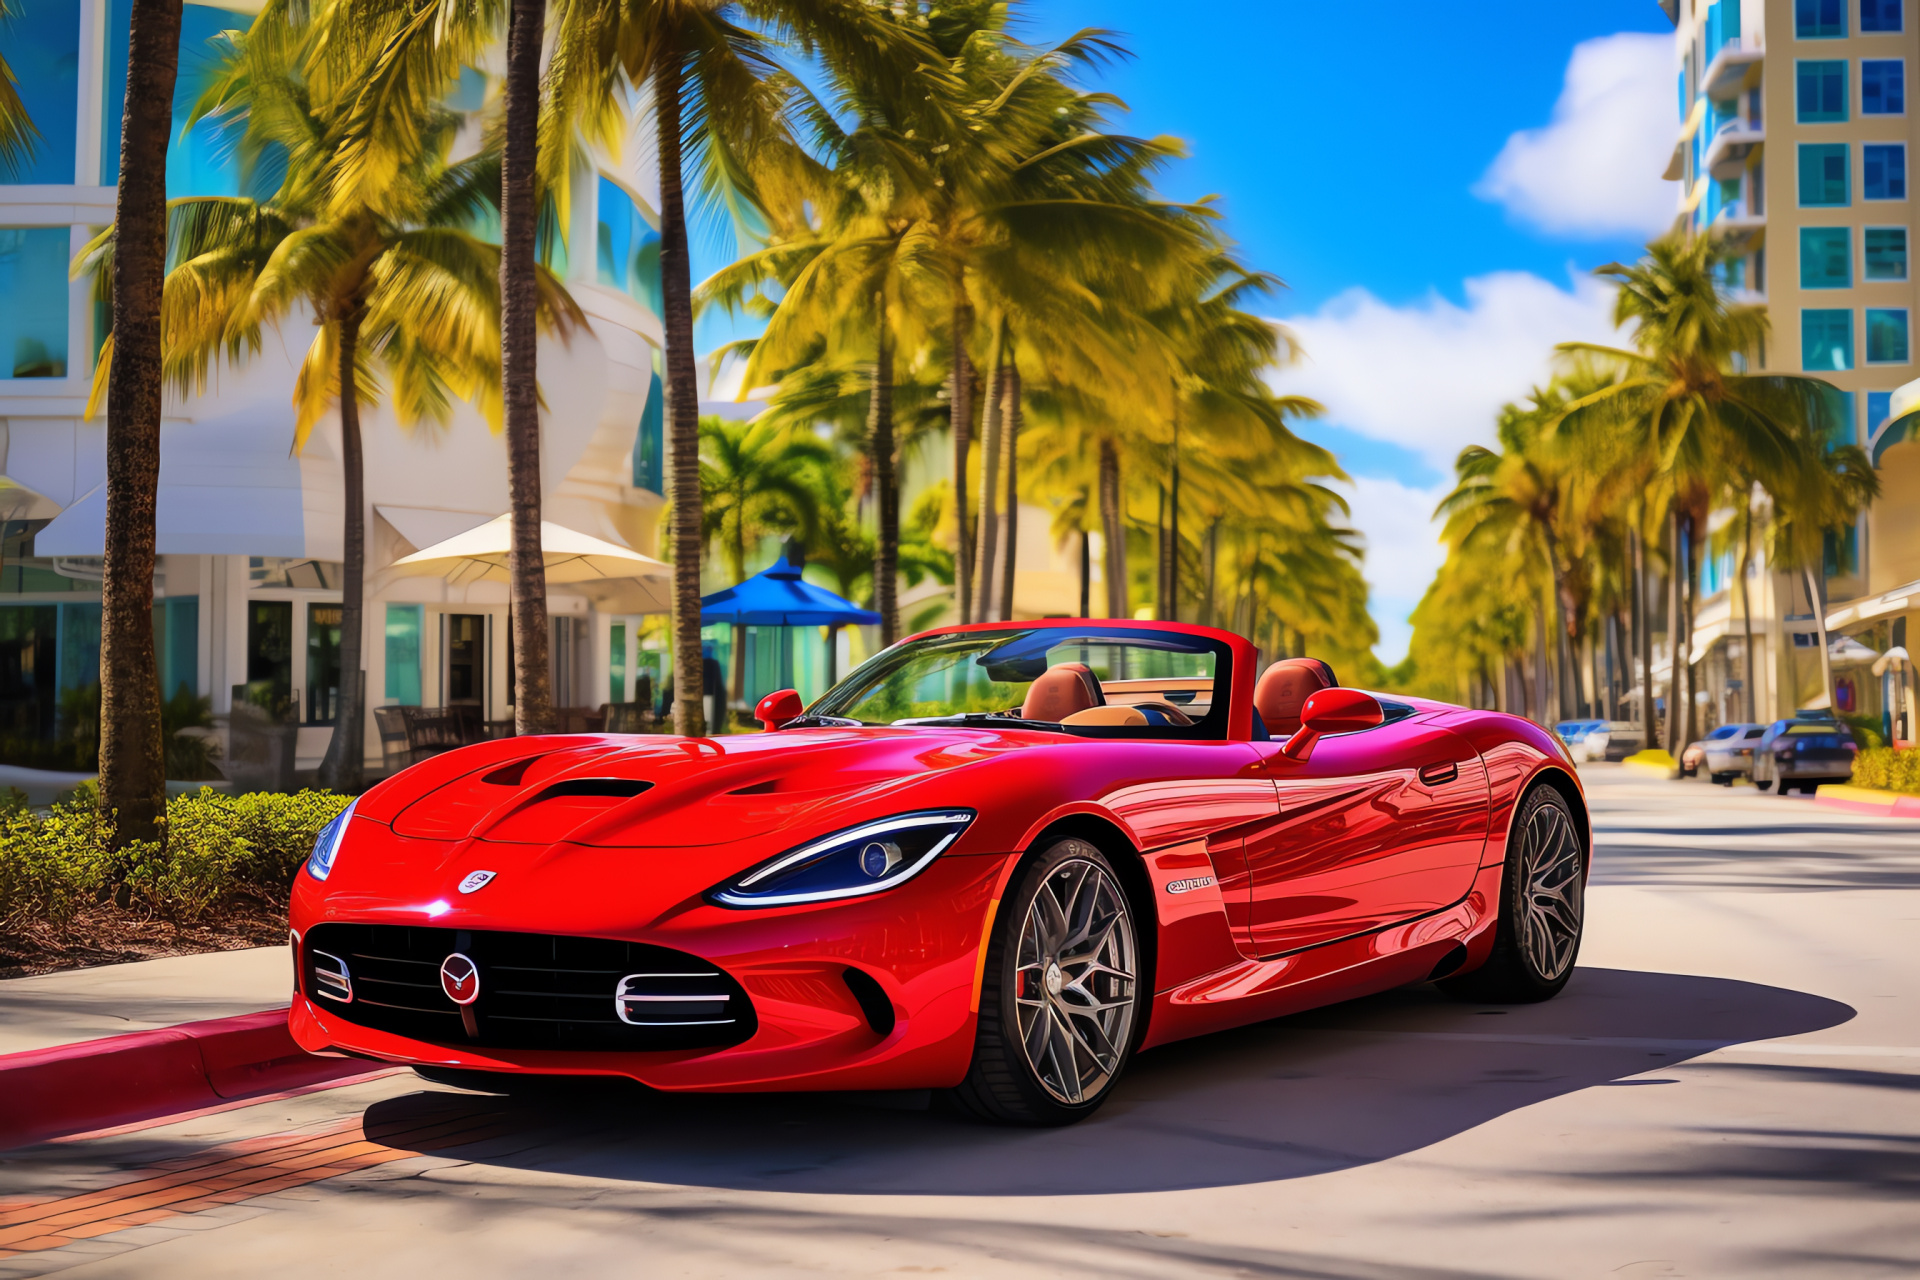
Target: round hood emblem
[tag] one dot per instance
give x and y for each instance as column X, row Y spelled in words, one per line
column 460, row 979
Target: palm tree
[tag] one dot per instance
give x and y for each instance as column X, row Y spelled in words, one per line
column 133, row 777
column 372, row 241
column 1681, row 402
column 1823, row 499
column 18, row 134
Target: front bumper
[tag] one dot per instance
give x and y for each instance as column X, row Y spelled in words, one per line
column 920, row 943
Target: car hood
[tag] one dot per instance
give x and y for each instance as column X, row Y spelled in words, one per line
column 666, row 792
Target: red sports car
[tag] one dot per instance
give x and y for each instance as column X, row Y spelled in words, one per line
column 995, row 860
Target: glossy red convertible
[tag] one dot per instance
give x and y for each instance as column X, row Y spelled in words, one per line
column 995, row 860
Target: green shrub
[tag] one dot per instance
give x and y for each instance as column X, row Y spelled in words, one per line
column 217, row 850
column 1886, row 769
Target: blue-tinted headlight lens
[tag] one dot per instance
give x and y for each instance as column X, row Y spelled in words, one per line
column 326, row 845
column 848, row 864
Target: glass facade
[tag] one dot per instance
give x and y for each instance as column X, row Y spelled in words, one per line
column 1880, row 16
column 176, row 637
column 649, row 442
column 1886, row 253
column 403, row 653
column 1883, row 87
column 1826, row 258
column 627, row 254
column 1826, row 340
column 1820, row 91
column 42, row 42
column 33, row 282
column 1883, row 171
column 1823, row 175
column 202, row 161
column 617, row 670
column 1819, row 19
column 1887, row 335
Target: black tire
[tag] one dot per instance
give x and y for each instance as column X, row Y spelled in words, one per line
column 1542, row 907
column 1036, row 995
column 1762, row 786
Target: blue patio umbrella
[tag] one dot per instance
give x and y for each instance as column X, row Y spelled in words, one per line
column 779, row 597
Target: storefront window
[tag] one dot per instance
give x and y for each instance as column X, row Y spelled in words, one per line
column 403, row 654
column 33, row 323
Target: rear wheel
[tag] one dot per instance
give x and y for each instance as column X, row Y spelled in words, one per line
column 1542, row 908
column 1060, row 994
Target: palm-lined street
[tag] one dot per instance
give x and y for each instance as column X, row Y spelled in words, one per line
column 1721, row 1091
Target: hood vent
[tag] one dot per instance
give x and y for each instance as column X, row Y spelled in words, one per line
column 607, row 788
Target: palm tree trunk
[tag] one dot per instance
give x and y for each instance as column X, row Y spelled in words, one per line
column 1173, row 525
column 1747, row 667
column 519, row 298
column 1540, row 662
column 133, row 773
column 341, row 768
column 988, row 541
column 886, row 547
column 1643, row 638
column 1683, row 647
column 1213, row 569
column 1820, row 624
column 1010, row 551
column 1673, row 632
column 1112, row 529
column 1086, row 574
column 683, row 405
column 1160, row 556
column 960, row 420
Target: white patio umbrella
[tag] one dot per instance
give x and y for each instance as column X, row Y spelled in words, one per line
column 625, row 579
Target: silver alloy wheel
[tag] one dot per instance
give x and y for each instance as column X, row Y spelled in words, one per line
column 1553, row 899
column 1074, row 985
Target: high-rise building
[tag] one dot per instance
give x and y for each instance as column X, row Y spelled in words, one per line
column 1796, row 144
column 250, row 532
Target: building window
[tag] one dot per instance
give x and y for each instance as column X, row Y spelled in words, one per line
column 1883, row 86
column 649, row 442
column 1823, row 175
column 1826, row 258
column 1883, row 171
column 33, row 323
column 628, row 249
column 1887, row 335
column 203, row 160
column 1879, row 407
column 176, row 644
column 1820, row 91
column 1880, row 15
column 42, row 43
column 1886, row 253
column 1826, row 340
column 1819, row 19
column 403, row 653
column 617, row 663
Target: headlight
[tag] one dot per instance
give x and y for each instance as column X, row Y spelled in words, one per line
column 326, row 845
column 848, row 864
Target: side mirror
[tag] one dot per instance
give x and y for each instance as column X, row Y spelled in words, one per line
column 1332, row 711
column 777, row 708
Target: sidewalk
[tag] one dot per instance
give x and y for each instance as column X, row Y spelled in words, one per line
column 87, row 1004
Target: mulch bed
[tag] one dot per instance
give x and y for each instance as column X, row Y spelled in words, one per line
column 108, row 935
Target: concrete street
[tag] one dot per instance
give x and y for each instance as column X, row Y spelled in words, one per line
column 85, row 1004
column 1727, row 1088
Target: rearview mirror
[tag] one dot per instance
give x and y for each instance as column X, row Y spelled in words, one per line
column 777, row 708
column 1332, row 711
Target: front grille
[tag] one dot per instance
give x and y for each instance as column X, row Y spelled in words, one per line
column 536, row 990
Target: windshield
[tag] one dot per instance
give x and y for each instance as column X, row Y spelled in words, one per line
column 1086, row 680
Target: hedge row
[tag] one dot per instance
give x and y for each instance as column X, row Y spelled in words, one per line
column 1887, row 769
column 217, row 850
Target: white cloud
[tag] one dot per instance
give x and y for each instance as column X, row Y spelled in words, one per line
column 1430, row 377
column 1594, row 170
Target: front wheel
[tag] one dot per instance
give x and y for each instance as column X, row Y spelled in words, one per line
column 1060, row 993
column 1542, row 908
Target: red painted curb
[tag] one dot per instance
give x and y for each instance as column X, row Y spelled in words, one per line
column 1904, row 807
column 97, row 1084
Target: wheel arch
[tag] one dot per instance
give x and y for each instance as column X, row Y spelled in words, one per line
column 1563, row 782
column 1109, row 838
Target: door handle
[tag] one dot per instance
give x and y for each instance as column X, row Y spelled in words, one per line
column 1435, row 775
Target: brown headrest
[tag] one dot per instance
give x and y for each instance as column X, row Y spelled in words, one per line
column 1285, row 687
column 1063, row 690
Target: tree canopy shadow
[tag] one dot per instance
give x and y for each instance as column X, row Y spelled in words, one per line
column 1338, row 1087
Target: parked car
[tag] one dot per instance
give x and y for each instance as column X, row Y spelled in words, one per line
column 1696, row 753
column 1730, row 755
column 1611, row 740
column 1574, row 734
column 1804, row 754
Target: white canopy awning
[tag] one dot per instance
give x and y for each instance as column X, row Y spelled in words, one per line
column 623, row 579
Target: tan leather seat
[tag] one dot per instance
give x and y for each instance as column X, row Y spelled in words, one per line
column 1061, row 692
column 1109, row 716
column 1285, row 687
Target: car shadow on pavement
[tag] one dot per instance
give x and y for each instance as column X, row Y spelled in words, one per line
column 1338, row 1087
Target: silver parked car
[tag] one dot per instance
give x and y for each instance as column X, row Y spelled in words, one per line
column 1730, row 756
column 1610, row 740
